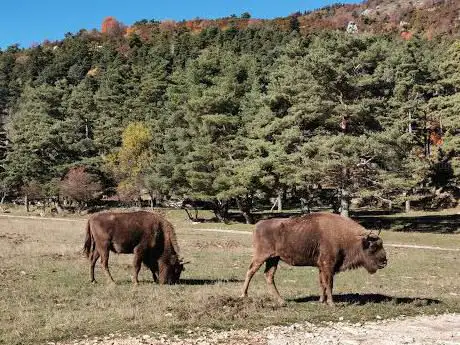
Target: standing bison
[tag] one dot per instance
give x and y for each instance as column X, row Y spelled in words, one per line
column 328, row 241
column 149, row 236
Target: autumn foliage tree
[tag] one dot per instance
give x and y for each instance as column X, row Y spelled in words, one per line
column 129, row 162
column 112, row 27
column 80, row 186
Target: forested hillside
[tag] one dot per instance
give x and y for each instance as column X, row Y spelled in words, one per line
column 238, row 110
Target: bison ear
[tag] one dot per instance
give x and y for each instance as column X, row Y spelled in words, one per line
column 365, row 242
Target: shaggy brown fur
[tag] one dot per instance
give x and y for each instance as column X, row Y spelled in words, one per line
column 149, row 236
column 328, row 241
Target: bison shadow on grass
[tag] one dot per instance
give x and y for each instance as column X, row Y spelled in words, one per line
column 208, row 281
column 186, row 281
column 192, row 282
column 362, row 299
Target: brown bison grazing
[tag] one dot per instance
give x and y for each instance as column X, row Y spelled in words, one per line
column 149, row 236
column 328, row 241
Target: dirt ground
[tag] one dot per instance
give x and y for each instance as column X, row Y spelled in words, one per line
column 421, row 330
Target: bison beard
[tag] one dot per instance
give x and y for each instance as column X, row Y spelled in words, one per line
column 328, row 241
column 148, row 236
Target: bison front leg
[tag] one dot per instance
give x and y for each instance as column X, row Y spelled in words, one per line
column 327, row 285
column 137, row 263
column 154, row 275
column 270, row 270
column 322, row 288
column 152, row 265
column 326, row 280
column 253, row 267
column 154, row 269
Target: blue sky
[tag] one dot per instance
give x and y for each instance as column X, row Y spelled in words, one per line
column 32, row 21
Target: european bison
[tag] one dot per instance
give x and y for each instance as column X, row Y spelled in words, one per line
column 149, row 236
column 328, row 241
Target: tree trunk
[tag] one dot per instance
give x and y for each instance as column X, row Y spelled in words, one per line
column 306, row 201
column 58, row 206
column 221, row 210
column 26, row 202
column 304, row 205
column 410, row 122
column 190, row 216
column 152, row 200
column 345, row 194
column 86, row 129
column 248, row 217
column 279, row 200
column 245, row 206
column 344, row 203
column 407, row 206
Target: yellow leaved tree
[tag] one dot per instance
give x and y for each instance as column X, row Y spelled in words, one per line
column 130, row 161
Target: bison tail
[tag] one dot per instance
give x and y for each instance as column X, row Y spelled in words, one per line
column 88, row 246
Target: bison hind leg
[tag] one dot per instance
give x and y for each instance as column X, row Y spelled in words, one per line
column 94, row 257
column 104, row 253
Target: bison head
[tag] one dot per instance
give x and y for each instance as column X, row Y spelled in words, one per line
column 375, row 256
column 170, row 270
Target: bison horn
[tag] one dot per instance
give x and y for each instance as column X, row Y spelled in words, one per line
column 181, row 260
column 380, row 230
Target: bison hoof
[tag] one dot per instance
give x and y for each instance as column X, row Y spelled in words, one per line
column 281, row 302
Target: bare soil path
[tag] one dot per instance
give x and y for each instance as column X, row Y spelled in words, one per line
column 421, row 330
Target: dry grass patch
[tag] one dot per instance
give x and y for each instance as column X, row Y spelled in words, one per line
column 45, row 294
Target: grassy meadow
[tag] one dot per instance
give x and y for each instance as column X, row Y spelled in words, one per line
column 45, row 293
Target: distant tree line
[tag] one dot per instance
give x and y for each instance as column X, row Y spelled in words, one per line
column 233, row 116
